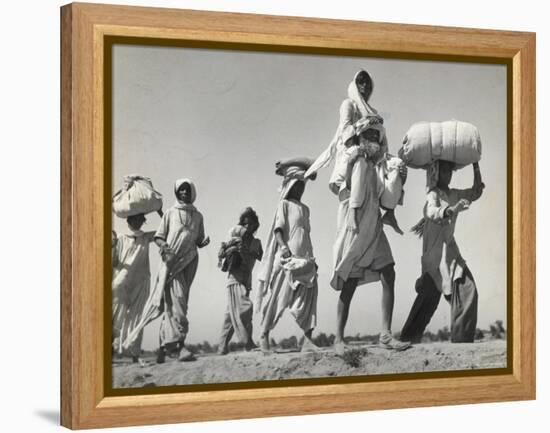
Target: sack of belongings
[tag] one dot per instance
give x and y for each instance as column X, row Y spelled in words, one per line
column 136, row 197
column 452, row 140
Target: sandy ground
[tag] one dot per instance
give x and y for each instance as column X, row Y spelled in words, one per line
column 254, row 366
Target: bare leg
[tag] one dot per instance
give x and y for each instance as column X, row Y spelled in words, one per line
column 387, row 276
column 226, row 334
column 264, row 342
column 308, row 345
column 342, row 312
column 184, row 354
column 161, row 353
column 390, row 220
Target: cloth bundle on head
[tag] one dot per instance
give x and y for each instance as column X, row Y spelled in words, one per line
column 363, row 107
column 138, row 196
column 451, row 140
column 292, row 171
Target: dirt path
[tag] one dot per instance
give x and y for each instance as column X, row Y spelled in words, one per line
column 368, row 360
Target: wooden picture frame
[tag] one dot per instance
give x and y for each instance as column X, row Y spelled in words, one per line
column 85, row 28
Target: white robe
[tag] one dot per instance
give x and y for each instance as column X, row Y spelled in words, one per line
column 131, row 286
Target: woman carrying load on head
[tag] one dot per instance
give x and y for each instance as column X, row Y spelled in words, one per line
column 131, row 283
column 362, row 253
column 288, row 276
column 130, row 260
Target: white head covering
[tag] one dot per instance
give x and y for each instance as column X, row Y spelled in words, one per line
column 291, row 175
column 361, row 102
column 180, row 204
column 364, row 108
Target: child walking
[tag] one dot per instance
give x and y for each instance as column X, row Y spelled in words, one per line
column 239, row 256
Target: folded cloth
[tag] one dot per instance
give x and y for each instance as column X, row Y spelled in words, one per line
column 228, row 255
column 300, row 271
column 299, row 161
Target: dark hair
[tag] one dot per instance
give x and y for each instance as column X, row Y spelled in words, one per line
column 450, row 164
column 134, row 219
column 371, row 134
column 251, row 215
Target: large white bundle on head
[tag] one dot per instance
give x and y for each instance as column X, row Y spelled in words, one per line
column 136, row 197
column 452, row 140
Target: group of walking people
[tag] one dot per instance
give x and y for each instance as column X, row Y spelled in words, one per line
column 288, row 270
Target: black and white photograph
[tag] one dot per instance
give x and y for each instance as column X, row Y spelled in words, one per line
column 275, row 216
column 282, row 216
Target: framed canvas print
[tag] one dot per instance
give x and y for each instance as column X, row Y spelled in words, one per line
column 268, row 216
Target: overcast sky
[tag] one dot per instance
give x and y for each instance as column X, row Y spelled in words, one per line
column 222, row 119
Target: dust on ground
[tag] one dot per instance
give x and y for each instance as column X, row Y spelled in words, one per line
column 363, row 359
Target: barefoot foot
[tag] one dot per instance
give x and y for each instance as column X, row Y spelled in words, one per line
column 390, row 220
column 387, row 341
column 250, row 346
column 339, row 348
column 309, row 346
column 264, row 345
column 185, row 355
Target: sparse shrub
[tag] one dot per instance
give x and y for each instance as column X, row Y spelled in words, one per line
column 289, row 343
column 205, row 347
column 429, row 337
column 324, row 340
column 236, row 346
column 443, row 334
column 370, row 339
column 354, row 357
column 193, row 348
column 479, row 335
column 497, row 330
